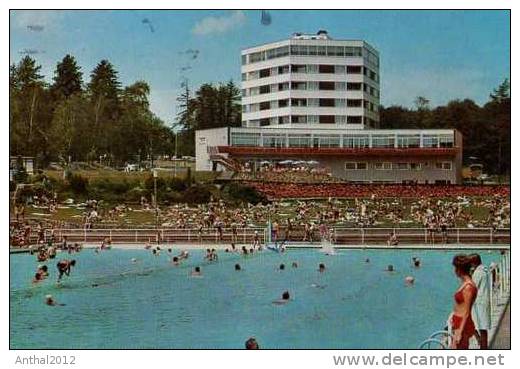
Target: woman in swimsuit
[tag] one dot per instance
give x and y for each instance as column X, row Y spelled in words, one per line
column 461, row 323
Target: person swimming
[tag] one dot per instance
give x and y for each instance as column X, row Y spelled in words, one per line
column 367, row 260
column 390, row 268
column 196, row 272
column 416, row 262
column 238, row 267
column 282, row 267
column 49, row 300
column 251, row 344
column 294, row 264
column 409, row 280
column 284, row 300
column 175, row 260
column 321, row 268
column 64, row 266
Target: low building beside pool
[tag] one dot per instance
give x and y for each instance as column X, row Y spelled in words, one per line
column 359, row 156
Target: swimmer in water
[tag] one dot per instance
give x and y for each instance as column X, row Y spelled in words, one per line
column 282, row 267
column 390, row 268
column 175, row 261
column 49, row 300
column 238, row 267
column 64, row 267
column 416, row 262
column 284, row 300
column 133, row 260
column 294, row 264
column 321, row 268
column 251, row 344
column 367, row 260
column 409, row 280
column 196, row 272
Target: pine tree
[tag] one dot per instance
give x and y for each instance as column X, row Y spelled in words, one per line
column 67, row 78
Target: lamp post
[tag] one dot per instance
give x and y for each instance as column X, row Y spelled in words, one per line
column 155, row 174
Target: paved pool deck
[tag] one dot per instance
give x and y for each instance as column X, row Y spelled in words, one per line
column 502, row 339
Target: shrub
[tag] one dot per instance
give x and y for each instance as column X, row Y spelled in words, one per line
column 197, row 194
column 78, row 184
column 241, row 193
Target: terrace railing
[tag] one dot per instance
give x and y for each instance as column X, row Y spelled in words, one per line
column 340, row 236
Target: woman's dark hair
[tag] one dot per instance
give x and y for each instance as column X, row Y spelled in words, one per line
column 237, row 267
column 282, row 266
column 44, row 268
column 462, row 263
column 285, row 295
column 175, row 259
column 476, row 260
column 251, row 344
column 197, row 269
column 322, row 266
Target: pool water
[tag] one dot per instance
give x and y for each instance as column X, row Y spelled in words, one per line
column 113, row 303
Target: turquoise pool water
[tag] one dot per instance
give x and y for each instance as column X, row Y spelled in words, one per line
column 111, row 302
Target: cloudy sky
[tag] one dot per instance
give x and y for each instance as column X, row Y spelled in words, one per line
column 442, row 55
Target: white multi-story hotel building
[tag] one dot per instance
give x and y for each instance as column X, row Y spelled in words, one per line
column 311, row 80
column 312, row 98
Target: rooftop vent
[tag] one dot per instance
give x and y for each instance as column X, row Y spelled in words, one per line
column 322, row 32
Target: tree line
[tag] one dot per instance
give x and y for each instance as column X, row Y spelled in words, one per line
column 69, row 119
column 486, row 129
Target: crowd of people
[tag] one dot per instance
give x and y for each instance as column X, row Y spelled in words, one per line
column 348, row 190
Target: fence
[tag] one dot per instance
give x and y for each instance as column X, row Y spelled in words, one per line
column 340, row 235
column 161, row 235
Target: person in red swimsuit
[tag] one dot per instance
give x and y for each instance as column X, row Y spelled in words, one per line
column 462, row 325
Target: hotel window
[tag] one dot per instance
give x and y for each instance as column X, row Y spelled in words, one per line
column 340, row 69
column 273, row 140
column 264, row 122
column 302, row 50
column 298, row 102
column 283, row 120
column 313, row 50
column 322, row 50
column 298, row 68
column 328, row 86
column 245, row 139
column 313, row 118
column 312, row 68
column 415, row 166
column 326, row 68
column 244, row 92
column 300, row 140
column 340, row 86
column 335, row 51
column 356, row 166
column 446, row 141
column 283, row 103
column 408, row 141
column 253, row 75
column 313, row 102
column 355, row 141
column 284, row 69
column 354, row 119
column 353, row 51
column 298, row 85
column 430, row 141
column 400, row 166
column 354, row 86
column 354, row 103
column 327, row 119
column 283, row 86
column 265, row 73
column 383, row 166
column 444, row 165
column 326, row 102
column 341, row 119
column 326, row 141
column 244, row 76
column 340, row 103
column 256, row 57
column 265, row 89
column 254, row 107
column 270, row 54
column 266, row 105
column 383, row 141
column 313, row 85
column 354, row 69
column 282, row 51
column 244, row 59
column 298, row 119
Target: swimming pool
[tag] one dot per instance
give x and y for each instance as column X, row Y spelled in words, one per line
column 111, row 302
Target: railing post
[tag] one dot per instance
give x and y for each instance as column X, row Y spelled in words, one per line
column 136, row 236
column 458, row 236
column 84, row 235
column 110, row 234
column 491, row 236
column 244, row 235
column 425, row 235
column 189, row 234
column 491, row 304
column 362, row 236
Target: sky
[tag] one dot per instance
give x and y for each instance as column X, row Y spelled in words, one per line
column 442, row 55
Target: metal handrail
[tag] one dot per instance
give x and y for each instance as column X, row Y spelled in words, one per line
column 429, row 341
